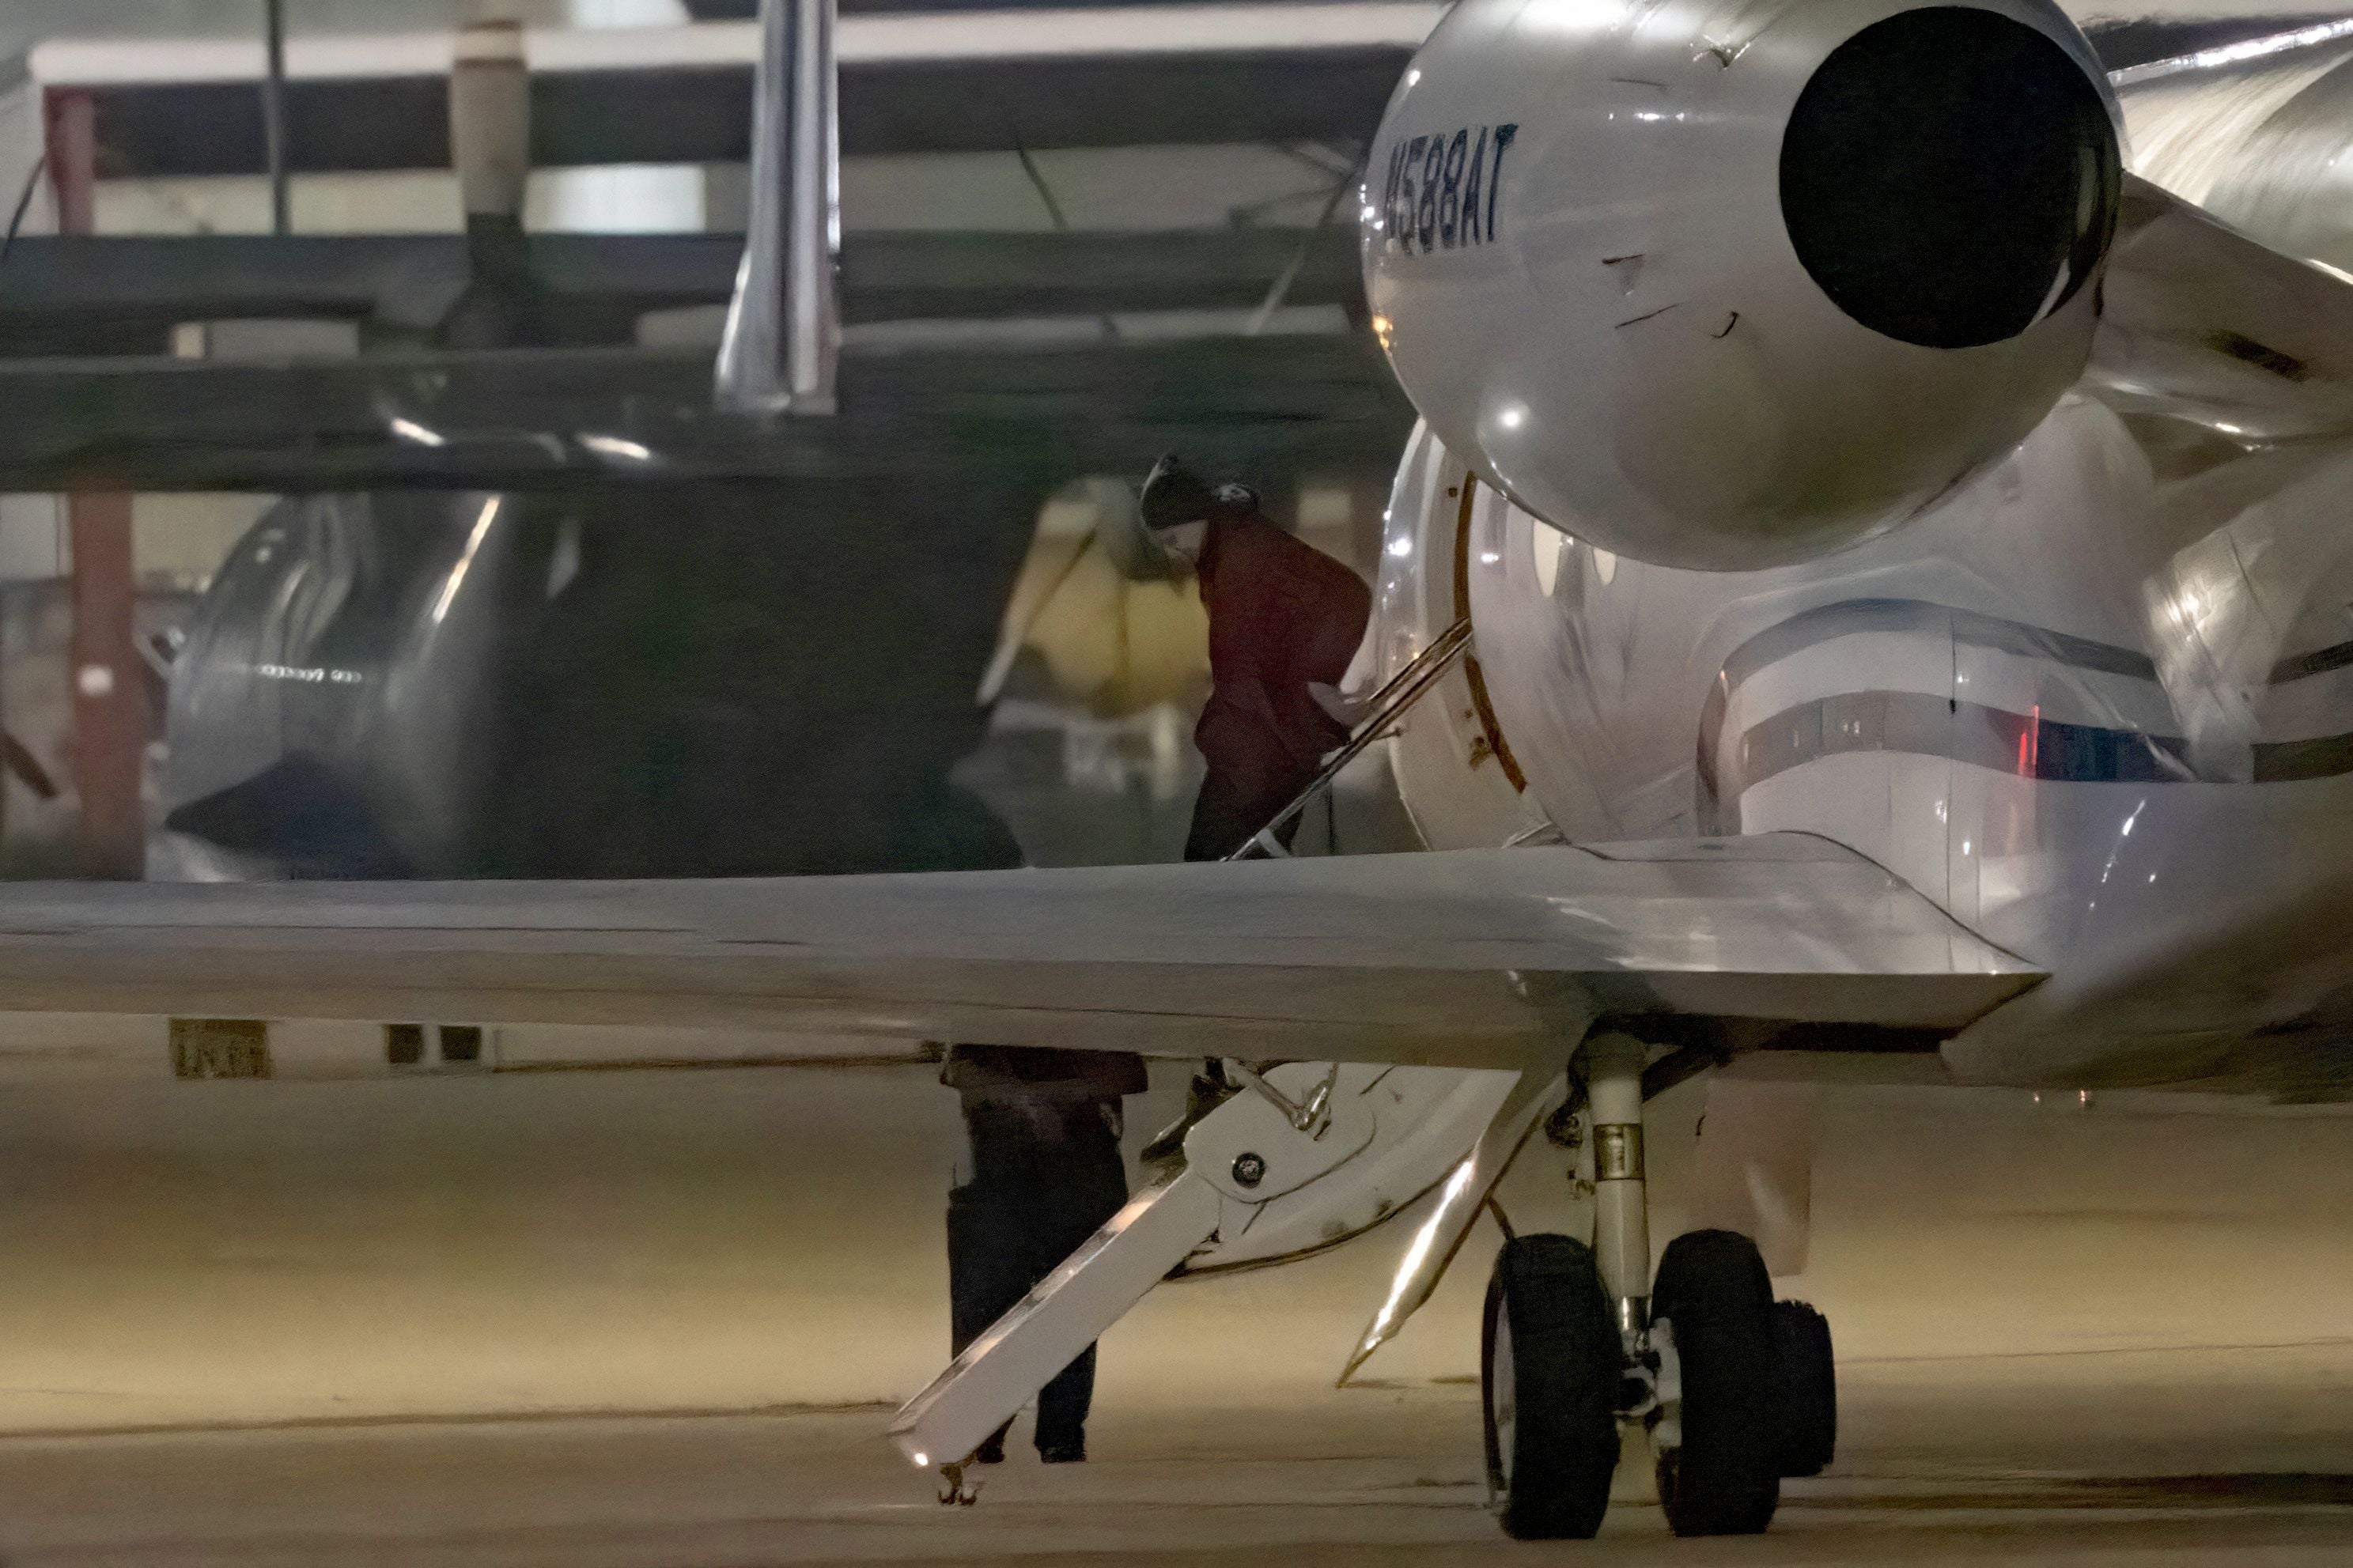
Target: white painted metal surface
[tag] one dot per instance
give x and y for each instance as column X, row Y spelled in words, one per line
column 1296, row 1124
column 1618, row 331
column 1420, row 1121
column 1440, row 750
column 2096, row 705
column 1071, row 1308
column 1621, row 1205
column 1532, row 1096
column 1259, row 1185
column 1460, row 959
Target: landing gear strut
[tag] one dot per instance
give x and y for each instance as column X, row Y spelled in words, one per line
column 1736, row 1390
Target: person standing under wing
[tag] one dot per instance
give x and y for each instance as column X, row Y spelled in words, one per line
column 1046, row 1174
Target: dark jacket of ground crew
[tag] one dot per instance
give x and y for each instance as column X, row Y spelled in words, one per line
column 1046, row 1174
column 1281, row 614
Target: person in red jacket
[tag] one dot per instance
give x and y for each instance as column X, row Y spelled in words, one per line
column 1284, row 623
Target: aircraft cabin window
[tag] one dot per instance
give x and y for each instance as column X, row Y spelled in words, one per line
column 404, row 1043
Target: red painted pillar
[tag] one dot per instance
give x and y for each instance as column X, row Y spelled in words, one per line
column 112, row 721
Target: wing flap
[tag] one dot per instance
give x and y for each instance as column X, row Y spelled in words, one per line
column 2260, row 1000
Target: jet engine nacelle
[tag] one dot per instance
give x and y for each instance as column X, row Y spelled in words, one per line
column 1724, row 285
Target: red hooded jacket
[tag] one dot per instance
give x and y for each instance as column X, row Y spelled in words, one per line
column 1281, row 614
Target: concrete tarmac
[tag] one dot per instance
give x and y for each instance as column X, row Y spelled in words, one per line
column 660, row 1318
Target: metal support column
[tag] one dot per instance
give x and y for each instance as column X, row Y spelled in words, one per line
column 273, row 115
column 111, row 721
column 784, row 330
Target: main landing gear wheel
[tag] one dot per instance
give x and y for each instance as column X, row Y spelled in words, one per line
column 1725, row 1478
column 1548, row 1376
column 1808, row 1389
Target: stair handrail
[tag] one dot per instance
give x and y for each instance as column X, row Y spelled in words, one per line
column 1396, row 694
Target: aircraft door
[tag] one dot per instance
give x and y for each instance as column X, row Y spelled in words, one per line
column 1459, row 778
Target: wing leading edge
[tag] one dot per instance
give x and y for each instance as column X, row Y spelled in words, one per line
column 1460, row 958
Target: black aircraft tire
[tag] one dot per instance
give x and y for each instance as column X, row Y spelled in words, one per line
column 1726, row 1479
column 1808, row 1389
column 1550, row 1366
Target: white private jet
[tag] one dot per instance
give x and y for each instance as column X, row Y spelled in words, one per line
column 1908, row 562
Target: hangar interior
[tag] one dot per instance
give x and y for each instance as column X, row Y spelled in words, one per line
column 1051, row 291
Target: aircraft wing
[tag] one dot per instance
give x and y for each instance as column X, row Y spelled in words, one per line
column 1459, row 958
column 2261, row 1002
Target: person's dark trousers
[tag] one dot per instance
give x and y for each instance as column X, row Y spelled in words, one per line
column 984, row 1271
column 1031, row 1202
column 1227, row 813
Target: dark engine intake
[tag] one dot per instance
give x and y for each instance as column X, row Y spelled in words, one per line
column 1729, row 286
